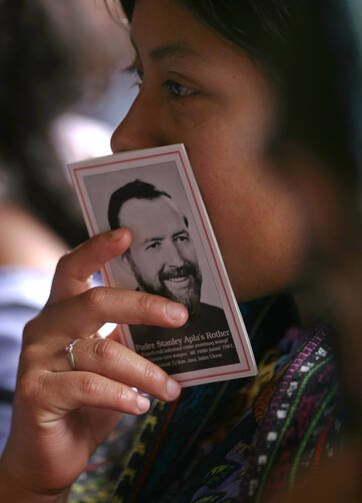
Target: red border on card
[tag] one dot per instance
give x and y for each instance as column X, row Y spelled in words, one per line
column 206, row 234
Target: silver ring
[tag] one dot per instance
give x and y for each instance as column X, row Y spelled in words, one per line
column 69, row 350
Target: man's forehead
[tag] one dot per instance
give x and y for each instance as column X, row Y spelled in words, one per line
column 148, row 216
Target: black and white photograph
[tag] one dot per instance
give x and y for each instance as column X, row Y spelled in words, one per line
column 174, row 254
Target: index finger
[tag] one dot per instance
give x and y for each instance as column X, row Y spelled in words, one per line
column 74, row 269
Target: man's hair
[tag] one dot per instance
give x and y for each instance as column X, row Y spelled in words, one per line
column 132, row 190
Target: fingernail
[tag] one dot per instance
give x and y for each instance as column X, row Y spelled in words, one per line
column 176, row 312
column 173, row 389
column 143, row 403
column 117, row 234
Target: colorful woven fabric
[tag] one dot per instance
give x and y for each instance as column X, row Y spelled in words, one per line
column 241, row 440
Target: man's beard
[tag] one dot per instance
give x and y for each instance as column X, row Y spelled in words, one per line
column 188, row 295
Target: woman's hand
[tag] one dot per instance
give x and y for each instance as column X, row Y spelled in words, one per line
column 61, row 415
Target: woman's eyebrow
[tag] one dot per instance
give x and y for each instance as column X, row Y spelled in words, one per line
column 175, row 49
column 178, row 49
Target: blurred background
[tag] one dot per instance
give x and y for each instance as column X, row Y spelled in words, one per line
column 62, row 91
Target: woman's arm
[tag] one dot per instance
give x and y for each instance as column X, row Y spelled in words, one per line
column 60, row 415
column 11, row 491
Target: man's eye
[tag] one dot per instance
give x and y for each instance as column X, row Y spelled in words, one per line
column 153, row 246
column 177, row 90
column 183, row 238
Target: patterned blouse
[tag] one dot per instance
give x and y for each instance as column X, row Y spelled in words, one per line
column 235, row 441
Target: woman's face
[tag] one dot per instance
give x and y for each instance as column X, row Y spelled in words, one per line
column 205, row 92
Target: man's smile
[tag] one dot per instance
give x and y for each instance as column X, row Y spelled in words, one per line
column 179, row 279
column 178, row 282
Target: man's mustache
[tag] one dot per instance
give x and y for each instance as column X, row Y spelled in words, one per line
column 179, row 272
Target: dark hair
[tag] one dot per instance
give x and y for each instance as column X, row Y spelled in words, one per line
column 323, row 92
column 132, row 190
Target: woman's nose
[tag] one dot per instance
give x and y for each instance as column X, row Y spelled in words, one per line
column 141, row 128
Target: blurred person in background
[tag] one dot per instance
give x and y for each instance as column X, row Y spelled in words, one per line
column 53, row 55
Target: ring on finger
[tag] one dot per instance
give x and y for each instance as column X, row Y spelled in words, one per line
column 69, row 350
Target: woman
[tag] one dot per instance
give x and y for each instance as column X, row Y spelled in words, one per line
column 211, row 74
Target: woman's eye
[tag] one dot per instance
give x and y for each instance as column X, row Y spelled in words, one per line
column 174, row 89
column 137, row 73
column 177, row 90
column 139, row 77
